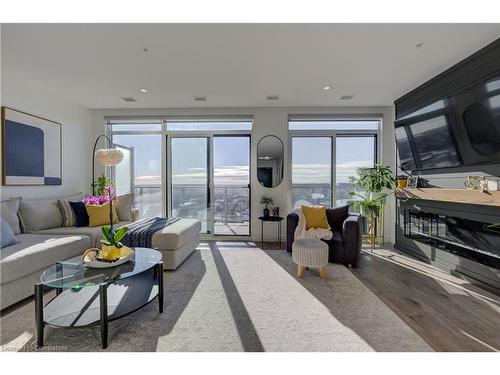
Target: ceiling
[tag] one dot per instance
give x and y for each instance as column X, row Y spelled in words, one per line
column 235, row 65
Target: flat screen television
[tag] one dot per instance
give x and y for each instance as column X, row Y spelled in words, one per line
column 462, row 129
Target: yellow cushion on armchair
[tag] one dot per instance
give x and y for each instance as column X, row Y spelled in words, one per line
column 99, row 215
column 315, row 217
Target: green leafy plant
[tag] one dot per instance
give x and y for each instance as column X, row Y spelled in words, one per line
column 101, row 184
column 110, row 237
column 368, row 206
column 266, row 201
column 376, row 179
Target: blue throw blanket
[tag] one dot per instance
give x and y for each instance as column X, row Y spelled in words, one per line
column 140, row 233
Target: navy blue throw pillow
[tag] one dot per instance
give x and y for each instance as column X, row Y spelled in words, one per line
column 82, row 218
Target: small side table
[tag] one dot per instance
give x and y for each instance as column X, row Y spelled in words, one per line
column 276, row 219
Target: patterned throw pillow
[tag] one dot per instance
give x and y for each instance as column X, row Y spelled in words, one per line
column 69, row 218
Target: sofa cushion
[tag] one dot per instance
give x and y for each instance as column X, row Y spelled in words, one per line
column 94, row 233
column 35, row 252
column 69, row 217
column 123, row 205
column 99, row 214
column 336, row 216
column 9, row 212
column 81, row 215
column 7, row 237
column 42, row 213
column 177, row 234
column 315, row 217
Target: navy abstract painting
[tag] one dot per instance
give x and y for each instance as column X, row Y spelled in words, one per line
column 31, row 149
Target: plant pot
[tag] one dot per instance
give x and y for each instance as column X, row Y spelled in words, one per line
column 266, row 212
column 111, row 252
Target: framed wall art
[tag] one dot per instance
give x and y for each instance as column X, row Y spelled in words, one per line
column 31, row 149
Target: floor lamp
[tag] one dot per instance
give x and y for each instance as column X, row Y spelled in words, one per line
column 108, row 157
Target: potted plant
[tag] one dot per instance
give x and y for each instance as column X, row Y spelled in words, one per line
column 111, row 238
column 370, row 208
column 373, row 182
column 266, row 201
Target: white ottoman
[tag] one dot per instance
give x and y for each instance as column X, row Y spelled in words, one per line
column 310, row 252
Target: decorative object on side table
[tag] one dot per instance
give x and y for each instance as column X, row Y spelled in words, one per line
column 412, row 182
column 373, row 181
column 31, row 149
column 276, row 211
column 266, row 201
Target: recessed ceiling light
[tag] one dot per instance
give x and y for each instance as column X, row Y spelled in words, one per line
column 200, row 98
column 129, row 99
column 272, row 97
column 265, row 158
column 346, row 97
column 327, row 88
column 143, row 90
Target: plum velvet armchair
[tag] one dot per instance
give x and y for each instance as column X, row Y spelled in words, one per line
column 347, row 229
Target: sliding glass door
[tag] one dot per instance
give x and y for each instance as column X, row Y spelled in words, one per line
column 190, row 189
column 210, row 182
column 231, row 178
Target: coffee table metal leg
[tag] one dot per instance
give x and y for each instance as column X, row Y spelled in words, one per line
column 160, row 286
column 59, row 274
column 103, row 299
column 39, row 324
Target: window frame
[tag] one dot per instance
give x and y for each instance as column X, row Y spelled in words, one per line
column 333, row 134
column 167, row 135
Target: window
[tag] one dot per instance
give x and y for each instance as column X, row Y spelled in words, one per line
column 333, row 125
column 209, row 125
column 311, row 171
column 325, row 157
column 352, row 153
column 145, row 156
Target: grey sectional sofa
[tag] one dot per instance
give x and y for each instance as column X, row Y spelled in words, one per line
column 43, row 241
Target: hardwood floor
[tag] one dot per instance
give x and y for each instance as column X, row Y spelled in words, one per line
column 449, row 313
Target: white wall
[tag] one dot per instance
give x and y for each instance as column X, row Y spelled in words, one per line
column 275, row 121
column 77, row 131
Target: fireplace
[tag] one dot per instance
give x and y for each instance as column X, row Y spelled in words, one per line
column 466, row 238
column 455, row 237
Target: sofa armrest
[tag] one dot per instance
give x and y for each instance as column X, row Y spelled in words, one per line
column 292, row 220
column 135, row 214
column 352, row 236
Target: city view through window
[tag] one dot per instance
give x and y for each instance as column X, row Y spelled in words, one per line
column 321, row 169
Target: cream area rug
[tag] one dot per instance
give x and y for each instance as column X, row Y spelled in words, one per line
column 233, row 296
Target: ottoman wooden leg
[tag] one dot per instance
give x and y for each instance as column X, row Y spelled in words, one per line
column 322, row 272
column 300, row 271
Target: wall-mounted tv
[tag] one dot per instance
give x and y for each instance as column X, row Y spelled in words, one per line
column 462, row 129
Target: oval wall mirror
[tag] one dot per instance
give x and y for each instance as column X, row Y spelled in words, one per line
column 270, row 161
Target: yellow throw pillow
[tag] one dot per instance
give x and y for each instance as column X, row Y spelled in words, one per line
column 99, row 215
column 315, row 217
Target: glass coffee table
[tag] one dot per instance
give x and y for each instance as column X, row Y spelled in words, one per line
column 90, row 296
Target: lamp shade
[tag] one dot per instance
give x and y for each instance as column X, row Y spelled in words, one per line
column 109, row 157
